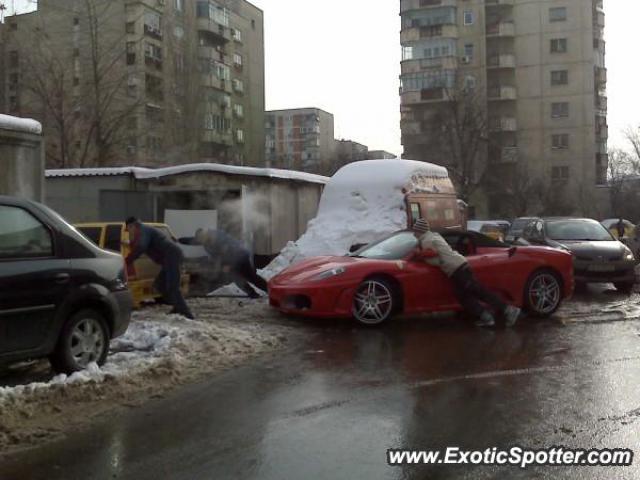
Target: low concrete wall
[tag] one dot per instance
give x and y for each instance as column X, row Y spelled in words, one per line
column 21, row 164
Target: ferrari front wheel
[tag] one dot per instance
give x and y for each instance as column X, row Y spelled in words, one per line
column 373, row 302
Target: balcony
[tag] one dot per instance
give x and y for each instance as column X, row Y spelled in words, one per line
column 601, row 106
column 212, row 53
column 212, row 27
column 215, row 136
column 408, row 5
column 499, row 154
column 430, row 95
column 501, row 61
column 417, row 65
column 598, row 18
column 503, row 124
column 417, row 33
column 503, row 92
column 601, row 76
column 498, row 3
column 602, row 130
column 501, row 29
column 210, row 80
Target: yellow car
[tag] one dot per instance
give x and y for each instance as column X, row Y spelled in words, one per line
column 114, row 236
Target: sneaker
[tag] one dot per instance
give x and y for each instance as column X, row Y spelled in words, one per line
column 511, row 315
column 485, row 320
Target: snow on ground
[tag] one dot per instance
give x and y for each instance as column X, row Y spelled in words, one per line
column 158, row 352
column 362, row 202
column 18, row 124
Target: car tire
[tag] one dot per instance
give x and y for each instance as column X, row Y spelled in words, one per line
column 84, row 339
column 543, row 293
column 624, row 287
column 374, row 302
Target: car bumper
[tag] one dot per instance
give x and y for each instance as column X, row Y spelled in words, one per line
column 122, row 306
column 600, row 272
column 313, row 301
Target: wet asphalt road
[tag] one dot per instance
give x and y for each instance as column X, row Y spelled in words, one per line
column 331, row 408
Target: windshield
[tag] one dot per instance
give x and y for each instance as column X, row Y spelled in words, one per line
column 577, row 230
column 395, row 247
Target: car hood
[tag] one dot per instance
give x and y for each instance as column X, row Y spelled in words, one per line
column 309, row 268
column 593, row 250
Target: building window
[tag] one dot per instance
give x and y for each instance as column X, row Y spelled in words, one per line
column 240, row 136
column 468, row 17
column 178, row 31
column 153, row 24
column 76, row 21
column 559, row 173
column 559, row 77
column 130, row 28
column 238, row 86
column 469, row 82
column 559, row 45
column 237, row 59
column 468, row 50
column 179, row 5
column 558, row 14
column 560, row 142
column 238, row 110
column 236, row 35
column 560, row 109
column 253, row 24
column 76, row 81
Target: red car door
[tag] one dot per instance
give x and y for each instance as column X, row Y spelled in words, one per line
column 426, row 288
column 498, row 271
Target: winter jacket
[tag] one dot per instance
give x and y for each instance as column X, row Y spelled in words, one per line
column 155, row 244
column 448, row 260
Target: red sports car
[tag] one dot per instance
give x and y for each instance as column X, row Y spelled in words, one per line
column 390, row 276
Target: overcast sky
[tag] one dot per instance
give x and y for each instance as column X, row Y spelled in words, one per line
column 344, row 56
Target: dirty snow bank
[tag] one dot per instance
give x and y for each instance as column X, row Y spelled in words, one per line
column 362, row 202
column 158, row 352
column 18, row 124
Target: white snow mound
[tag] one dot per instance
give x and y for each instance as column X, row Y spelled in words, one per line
column 362, row 202
column 18, row 124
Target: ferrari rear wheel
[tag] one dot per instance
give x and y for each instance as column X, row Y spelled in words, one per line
column 373, row 302
column 543, row 293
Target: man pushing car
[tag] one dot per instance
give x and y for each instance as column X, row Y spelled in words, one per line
column 469, row 292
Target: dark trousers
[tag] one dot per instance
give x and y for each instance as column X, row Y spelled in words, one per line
column 168, row 282
column 244, row 272
column 470, row 293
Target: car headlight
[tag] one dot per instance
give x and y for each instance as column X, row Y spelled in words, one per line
column 330, row 273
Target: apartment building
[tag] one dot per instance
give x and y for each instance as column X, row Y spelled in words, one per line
column 349, row 151
column 300, row 139
column 537, row 70
column 140, row 82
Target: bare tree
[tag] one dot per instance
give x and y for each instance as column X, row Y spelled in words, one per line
column 459, row 137
column 519, row 192
column 76, row 83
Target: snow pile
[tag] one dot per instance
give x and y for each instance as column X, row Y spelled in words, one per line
column 17, row 124
column 157, row 352
column 362, row 202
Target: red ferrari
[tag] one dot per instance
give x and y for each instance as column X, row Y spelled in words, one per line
column 390, row 276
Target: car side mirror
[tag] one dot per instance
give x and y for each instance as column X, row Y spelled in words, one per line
column 512, row 251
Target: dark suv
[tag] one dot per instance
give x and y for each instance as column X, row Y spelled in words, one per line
column 60, row 295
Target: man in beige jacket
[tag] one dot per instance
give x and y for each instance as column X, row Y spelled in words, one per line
column 469, row 292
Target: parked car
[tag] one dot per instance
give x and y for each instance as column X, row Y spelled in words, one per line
column 496, row 229
column 598, row 257
column 113, row 236
column 517, row 227
column 611, row 224
column 389, row 276
column 61, row 296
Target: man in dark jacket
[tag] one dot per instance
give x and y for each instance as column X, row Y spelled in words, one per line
column 166, row 253
column 234, row 257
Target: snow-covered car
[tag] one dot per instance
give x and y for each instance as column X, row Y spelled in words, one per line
column 389, row 276
column 61, row 296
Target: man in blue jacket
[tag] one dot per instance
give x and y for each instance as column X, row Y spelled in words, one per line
column 235, row 259
column 166, row 253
